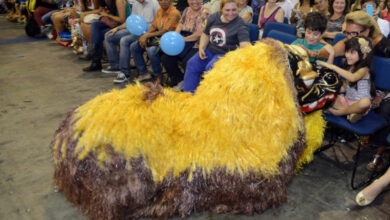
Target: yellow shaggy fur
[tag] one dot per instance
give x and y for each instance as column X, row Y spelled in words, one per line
column 243, row 117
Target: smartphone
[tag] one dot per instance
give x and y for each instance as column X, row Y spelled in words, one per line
column 370, row 10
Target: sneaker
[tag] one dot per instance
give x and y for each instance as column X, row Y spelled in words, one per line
column 179, row 87
column 110, row 70
column 144, row 76
column 121, row 78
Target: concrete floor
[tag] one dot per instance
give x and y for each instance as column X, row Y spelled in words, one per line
column 40, row 81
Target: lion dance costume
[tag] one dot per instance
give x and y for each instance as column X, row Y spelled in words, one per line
column 232, row 147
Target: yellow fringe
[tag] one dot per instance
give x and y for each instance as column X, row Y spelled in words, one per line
column 243, row 117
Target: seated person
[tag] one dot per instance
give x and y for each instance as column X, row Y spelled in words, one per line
column 191, row 26
column 270, row 12
column 322, row 6
column 225, row 31
column 298, row 15
column 337, row 12
column 359, row 80
column 384, row 25
column 120, row 62
column 245, row 11
column 113, row 13
column 315, row 25
column 385, row 13
column 167, row 19
column 60, row 17
column 359, row 23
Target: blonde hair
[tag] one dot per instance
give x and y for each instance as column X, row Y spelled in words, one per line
column 366, row 21
column 224, row 2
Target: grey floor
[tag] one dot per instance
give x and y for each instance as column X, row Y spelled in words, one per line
column 41, row 81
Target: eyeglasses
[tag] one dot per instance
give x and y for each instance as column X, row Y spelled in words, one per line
column 353, row 33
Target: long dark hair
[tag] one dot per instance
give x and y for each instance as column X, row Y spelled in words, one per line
column 354, row 45
column 311, row 2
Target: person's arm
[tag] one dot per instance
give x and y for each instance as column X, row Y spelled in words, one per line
column 142, row 40
column 351, row 77
column 279, row 17
column 339, row 50
column 260, row 13
column 204, row 41
column 244, row 44
column 293, row 20
column 330, row 50
column 121, row 7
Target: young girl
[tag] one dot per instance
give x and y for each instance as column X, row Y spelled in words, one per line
column 359, row 77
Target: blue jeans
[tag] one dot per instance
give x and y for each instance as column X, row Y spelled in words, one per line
column 139, row 61
column 98, row 30
column 120, row 60
column 46, row 19
column 196, row 67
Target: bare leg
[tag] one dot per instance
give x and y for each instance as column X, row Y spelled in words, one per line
column 58, row 20
column 368, row 194
column 358, row 107
column 86, row 29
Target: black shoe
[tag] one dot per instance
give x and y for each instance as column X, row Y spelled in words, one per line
column 93, row 67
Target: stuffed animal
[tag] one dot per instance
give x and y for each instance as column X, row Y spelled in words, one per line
column 232, row 147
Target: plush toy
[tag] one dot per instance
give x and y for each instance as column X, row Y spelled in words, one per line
column 232, row 147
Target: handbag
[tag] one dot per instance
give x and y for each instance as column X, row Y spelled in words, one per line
column 109, row 22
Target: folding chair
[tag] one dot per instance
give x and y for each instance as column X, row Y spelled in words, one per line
column 369, row 124
column 281, row 36
column 286, row 28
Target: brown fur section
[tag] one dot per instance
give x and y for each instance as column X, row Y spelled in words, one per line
column 124, row 189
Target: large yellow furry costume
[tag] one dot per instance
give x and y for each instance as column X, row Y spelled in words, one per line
column 231, row 147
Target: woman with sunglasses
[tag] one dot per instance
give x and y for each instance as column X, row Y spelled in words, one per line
column 359, row 23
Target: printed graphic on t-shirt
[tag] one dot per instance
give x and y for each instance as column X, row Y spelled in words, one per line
column 218, row 36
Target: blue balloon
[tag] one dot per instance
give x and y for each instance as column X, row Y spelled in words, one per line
column 136, row 25
column 172, row 43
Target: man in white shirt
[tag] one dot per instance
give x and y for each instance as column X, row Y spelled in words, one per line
column 120, row 62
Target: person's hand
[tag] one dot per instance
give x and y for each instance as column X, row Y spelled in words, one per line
column 202, row 54
column 142, row 41
column 307, row 50
column 112, row 31
column 104, row 13
column 329, row 48
column 376, row 101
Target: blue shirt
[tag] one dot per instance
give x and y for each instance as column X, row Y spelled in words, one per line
column 317, row 46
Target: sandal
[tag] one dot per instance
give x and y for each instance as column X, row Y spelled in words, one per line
column 376, row 164
column 361, row 200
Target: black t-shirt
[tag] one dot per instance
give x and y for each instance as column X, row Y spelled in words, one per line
column 225, row 37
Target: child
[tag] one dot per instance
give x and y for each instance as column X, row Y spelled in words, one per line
column 315, row 26
column 358, row 87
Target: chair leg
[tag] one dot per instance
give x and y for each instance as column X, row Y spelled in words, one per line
column 363, row 183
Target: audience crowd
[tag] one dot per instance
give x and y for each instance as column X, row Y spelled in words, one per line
column 213, row 28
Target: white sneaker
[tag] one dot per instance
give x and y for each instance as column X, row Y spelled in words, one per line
column 179, row 87
column 110, row 70
column 121, row 78
column 143, row 77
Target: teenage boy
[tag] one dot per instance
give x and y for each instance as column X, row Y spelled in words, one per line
column 315, row 26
